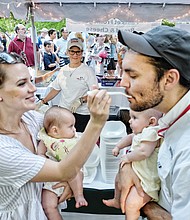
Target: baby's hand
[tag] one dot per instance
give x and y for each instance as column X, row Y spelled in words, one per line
column 115, row 151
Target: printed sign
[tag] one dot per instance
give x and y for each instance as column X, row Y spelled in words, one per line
column 110, row 27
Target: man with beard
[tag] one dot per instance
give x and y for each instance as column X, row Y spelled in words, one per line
column 156, row 74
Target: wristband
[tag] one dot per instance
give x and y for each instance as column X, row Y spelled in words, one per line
column 83, row 100
column 43, row 101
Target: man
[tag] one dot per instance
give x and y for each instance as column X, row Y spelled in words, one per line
column 156, row 74
column 42, row 37
column 52, row 33
column 22, row 45
column 62, row 44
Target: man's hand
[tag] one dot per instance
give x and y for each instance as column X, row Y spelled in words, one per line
column 124, row 160
column 67, row 193
column 155, row 212
column 127, row 179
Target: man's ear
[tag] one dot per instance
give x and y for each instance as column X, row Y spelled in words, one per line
column 152, row 121
column 172, row 77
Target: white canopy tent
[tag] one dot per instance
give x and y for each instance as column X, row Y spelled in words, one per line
column 99, row 11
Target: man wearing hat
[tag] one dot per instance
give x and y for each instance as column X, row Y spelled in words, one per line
column 44, row 34
column 156, row 74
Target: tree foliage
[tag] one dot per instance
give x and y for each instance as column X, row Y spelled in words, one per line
column 168, row 23
column 48, row 25
column 8, row 24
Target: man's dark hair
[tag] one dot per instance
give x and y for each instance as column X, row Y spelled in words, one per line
column 51, row 31
column 161, row 65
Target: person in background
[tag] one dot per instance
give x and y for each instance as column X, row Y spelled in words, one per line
column 111, row 66
column 22, row 45
column 4, row 42
column 144, row 144
column 90, row 42
column 1, row 47
column 79, row 36
column 73, row 82
column 22, row 171
column 58, row 137
column 120, row 56
column 156, row 74
column 62, row 45
column 52, row 33
column 43, row 35
column 51, row 60
column 41, row 38
column 99, row 55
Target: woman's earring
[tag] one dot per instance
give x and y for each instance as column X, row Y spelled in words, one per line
column 1, row 99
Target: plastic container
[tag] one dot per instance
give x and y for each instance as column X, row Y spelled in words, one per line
column 111, row 134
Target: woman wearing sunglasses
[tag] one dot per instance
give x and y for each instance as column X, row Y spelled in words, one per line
column 22, row 171
column 73, row 82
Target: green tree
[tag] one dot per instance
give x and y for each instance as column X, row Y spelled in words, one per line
column 168, row 23
column 8, row 24
column 48, row 25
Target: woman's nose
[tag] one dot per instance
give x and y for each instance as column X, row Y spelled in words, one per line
column 32, row 87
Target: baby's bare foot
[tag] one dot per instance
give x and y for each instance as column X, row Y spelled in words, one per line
column 80, row 201
column 112, row 203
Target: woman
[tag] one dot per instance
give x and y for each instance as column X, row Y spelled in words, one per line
column 73, row 82
column 22, row 171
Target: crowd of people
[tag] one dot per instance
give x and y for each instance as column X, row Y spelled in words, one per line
column 155, row 75
column 100, row 51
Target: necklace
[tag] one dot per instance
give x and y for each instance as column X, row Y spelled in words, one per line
column 72, row 70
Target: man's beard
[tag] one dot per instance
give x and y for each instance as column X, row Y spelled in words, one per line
column 147, row 101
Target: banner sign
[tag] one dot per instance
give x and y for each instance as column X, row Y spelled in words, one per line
column 110, row 27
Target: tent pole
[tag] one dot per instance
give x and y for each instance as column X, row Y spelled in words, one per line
column 34, row 40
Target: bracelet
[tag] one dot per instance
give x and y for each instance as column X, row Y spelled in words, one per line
column 43, row 101
column 83, row 100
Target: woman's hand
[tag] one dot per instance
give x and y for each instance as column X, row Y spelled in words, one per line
column 155, row 212
column 127, row 179
column 67, row 193
column 98, row 102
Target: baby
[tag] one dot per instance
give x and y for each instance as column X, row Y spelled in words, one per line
column 144, row 142
column 58, row 138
